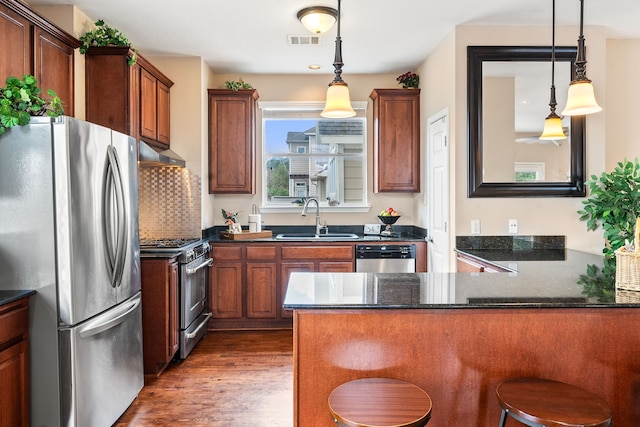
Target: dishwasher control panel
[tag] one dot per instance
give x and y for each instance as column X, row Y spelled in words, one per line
column 385, row 251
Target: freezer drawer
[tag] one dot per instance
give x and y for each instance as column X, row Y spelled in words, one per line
column 101, row 366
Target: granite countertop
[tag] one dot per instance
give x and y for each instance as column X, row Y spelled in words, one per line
column 7, row 297
column 403, row 233
column 540, row 278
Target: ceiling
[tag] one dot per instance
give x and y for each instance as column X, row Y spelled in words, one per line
column 379, row 36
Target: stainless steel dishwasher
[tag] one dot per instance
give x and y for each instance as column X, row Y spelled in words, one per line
column 386, row 258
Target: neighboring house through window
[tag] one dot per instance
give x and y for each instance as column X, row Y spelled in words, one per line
column 306, row 156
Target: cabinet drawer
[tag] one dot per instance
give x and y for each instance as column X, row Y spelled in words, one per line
column 14, row 321
column 317, row 252
column 226, row 253
column 261, row 252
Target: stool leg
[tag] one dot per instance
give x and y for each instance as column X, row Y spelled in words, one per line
column 503, row 418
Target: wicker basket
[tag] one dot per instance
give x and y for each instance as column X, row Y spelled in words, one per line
column 629, row 297
column 627, row 270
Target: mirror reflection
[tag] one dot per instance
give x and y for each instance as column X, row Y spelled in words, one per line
column 508, row 94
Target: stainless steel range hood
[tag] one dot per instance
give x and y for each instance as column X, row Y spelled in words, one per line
column 151, row 156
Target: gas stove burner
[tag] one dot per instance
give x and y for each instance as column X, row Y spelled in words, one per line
column 165, row 243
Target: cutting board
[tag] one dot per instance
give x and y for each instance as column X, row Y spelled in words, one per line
column 246, row 235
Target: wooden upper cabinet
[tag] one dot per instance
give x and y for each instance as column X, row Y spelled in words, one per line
column 232, row 116
column 33, row 45
column 130, row 99
column 396, row 134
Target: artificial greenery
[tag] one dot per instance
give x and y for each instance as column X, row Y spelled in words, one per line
column 614, row 204
column 237, row 85
column 21, row 99
column 104, row 35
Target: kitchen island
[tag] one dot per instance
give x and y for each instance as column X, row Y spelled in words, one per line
column 458, row 335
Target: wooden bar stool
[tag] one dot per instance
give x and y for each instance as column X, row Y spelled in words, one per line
column 379, row 402
column 538, row 402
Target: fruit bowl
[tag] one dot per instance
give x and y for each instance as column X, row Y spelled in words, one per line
column 389, row 220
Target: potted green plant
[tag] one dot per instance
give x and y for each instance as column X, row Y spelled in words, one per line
column 408, row 80
column 614, row 205
column 105, row 35
column 237, row 85
column 22, row 98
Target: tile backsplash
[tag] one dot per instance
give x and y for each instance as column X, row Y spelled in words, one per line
column 169, row 203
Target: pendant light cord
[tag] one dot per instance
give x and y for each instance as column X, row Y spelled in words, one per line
column 337, row 61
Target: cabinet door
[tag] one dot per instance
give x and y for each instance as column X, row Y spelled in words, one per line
column 232, row 141
column 466, row 265
column 163, row 130
column 335, row 267
column 16, row 55
column 396, row 115
column 261, row 290
column 174, row 313
column 53, row 68
column 14, row 391
column 226, row 290
column 286, row 268
column 148, row 105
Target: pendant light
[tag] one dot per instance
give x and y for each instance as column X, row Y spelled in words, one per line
column 553, row 123
column 338, row 103
column 581, row 99
column 318, row 19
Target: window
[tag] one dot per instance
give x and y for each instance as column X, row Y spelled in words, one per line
column 529, row 171
column 305, row 155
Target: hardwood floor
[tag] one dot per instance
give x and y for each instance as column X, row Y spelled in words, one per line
column 234, row 379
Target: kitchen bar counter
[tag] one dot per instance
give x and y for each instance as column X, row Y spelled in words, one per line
column 538, row 283
column 458, row 335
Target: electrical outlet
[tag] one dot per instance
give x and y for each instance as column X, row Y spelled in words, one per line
column 372, row 229
column 475, row 226
column 513, row 226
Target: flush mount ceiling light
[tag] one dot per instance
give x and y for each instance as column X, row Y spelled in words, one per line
column 318, row 19
column 553, row 123
column 581, row 99
column 338, row 103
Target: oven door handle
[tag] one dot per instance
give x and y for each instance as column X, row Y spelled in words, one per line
column 194, row 333
column 207, row 263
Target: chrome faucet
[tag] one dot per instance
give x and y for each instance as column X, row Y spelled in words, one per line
column 304, row 213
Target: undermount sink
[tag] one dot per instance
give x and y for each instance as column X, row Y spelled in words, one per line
column 308, row 236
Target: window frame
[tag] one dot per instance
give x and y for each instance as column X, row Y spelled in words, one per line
column 310, row 110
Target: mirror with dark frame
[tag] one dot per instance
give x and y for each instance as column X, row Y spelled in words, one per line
column 506, row 158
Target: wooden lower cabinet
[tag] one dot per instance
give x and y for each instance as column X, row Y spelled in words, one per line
column 14, row 363
column 249, row 280
column 160, row 322
column 467, row 264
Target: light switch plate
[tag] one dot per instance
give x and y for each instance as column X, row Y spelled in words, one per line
column 372, row 229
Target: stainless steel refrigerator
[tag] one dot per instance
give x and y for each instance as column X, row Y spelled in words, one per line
column 69, row 230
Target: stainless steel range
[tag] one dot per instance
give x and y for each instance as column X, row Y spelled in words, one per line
column 194, row 260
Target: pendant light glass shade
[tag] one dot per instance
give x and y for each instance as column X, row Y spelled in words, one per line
column 581, row 99
column 553, row 130
column 338, row 104
column 553, row 123
column 318, row 19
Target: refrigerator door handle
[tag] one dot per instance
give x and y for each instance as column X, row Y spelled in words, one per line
column 113, row 184
column 100, row 324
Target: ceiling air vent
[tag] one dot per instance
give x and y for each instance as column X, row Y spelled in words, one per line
column 304, row 40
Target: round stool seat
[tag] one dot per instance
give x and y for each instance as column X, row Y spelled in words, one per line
column 539, row 402
column 379, row 402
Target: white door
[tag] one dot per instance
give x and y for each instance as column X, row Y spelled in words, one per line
column 438, row 192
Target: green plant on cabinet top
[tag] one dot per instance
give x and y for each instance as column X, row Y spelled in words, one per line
column 104, row 35
column 21, row 98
